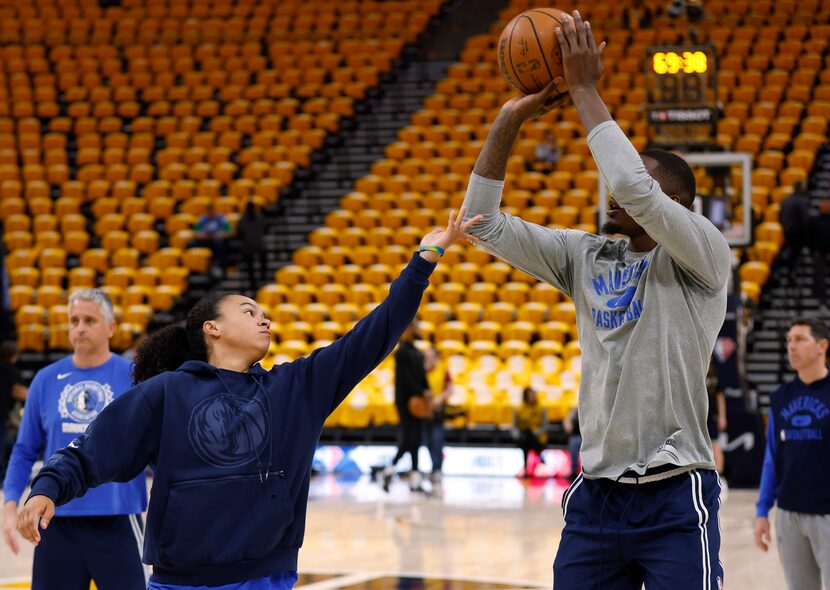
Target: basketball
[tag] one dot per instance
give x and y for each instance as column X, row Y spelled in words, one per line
column 529, row 55
column 418, row 406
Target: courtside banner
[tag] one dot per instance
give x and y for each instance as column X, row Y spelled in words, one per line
column 482, row 461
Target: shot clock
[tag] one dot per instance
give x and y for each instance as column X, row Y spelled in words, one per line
column 681, row 95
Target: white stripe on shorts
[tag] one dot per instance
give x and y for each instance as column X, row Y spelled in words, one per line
column 569, row 494
column 702, row 521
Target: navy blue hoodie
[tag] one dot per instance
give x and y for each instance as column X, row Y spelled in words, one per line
column 798, row 449
column 231, row 452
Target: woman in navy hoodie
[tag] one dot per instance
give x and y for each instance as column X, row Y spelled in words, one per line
column 230, row 444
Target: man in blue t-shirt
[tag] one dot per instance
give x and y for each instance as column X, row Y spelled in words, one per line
column 98, row 536
column 795, row 464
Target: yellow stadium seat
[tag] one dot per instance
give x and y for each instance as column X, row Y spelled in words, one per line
column 147, row 276
column 770, row 232
column 481, row 348
column 271, row 295
column 481, row 293
column 138, row 315
column 452, row 330
column 162, row 297
column 496, row 272
column 436, row 312
column 197, row 259
column 17, row 240
column 126, row 258
column 145, row 241
column 113, row 240
column 59, row 337
column 564, row 312
column 543, row 348
column 331, row 294
column 344, row 313
column 53, row 276
column 511, row 348
column 488, row 331
column 81, row 277
column 58, row 314
column 30, row 314
column 532, row 311
column 571, row 350
column 165, row 257
column 121, row 277
column 76, row 242
column 327, row 331
column 751, row 290
column 31, row 338
column 314, row 313
column 361, row 294
column 49, row 295
column 467, row 312
column 52, row 257
column 134, row 295
column 20, row 295
column 754, row 271
column 451, row 293
column 175, row 276
column 500, row 312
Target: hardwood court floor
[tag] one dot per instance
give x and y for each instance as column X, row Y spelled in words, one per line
column 481, row 534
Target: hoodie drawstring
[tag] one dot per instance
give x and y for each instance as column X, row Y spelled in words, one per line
column 269, row 446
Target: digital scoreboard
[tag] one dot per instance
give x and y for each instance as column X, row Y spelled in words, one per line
column 681, row 96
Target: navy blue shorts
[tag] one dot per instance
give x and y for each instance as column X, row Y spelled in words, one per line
column 76, row 549
column 619, row 536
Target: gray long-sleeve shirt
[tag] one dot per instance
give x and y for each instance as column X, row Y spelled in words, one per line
column 647, row 321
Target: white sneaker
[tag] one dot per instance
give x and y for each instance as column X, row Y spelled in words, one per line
column 415, row 481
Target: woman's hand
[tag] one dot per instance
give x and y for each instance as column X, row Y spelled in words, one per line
column 457, row 229
column 36, row 514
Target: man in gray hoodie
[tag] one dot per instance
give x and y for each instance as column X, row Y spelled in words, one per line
column 649, row 309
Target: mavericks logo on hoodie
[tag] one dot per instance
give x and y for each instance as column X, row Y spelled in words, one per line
column 229, row 431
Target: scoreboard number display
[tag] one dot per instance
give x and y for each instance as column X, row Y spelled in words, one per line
column 681, row 96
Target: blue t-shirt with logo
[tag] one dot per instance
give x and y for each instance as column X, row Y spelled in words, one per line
column 62, row 401
column 212, row 225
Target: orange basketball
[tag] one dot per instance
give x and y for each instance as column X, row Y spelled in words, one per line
column 418, row 406
column 529, row 55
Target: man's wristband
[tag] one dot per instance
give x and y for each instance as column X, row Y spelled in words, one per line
column 437, row 249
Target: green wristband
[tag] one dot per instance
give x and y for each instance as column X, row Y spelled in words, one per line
column 438, row 249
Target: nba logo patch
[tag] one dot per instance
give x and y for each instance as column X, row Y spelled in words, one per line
column 720, row 583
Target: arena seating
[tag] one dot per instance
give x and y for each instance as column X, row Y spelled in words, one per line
column 119, row 125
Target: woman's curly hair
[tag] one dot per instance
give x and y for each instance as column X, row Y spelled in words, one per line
column 168, row 348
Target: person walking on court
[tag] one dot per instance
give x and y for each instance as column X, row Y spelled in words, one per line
column 412, row 402
column 98, row 535
column 530, row 429
column 794, row 475
column 648, row 308
column 439, row 380
column 231, row 445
